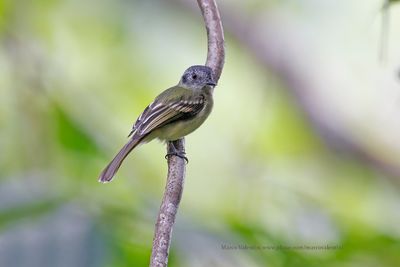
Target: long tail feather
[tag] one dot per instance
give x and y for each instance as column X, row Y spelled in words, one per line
column 109, row 172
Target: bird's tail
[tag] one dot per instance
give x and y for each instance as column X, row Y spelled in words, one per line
column 109, row 172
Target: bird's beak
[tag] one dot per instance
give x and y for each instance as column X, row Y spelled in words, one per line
column 211, row 83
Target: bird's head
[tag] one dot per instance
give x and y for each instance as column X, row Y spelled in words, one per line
column 196, row 77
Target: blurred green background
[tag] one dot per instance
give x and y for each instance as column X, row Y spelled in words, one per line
column 302, row 148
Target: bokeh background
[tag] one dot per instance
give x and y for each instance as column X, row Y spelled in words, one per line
column 298, row 165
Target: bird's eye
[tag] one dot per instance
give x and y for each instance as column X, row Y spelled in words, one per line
column 194, row 76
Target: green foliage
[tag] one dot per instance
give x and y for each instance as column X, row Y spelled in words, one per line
column 29, row 211
column 71, row 136
column 74, row 75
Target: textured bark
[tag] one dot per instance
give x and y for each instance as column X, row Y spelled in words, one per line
column 215, row 36
column 176, row 165
column 169, row 208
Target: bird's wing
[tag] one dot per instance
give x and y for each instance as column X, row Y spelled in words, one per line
column 160, row 113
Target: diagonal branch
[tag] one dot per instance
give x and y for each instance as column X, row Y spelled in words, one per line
column 215, row 36
column 176, row 165
column 169, row 208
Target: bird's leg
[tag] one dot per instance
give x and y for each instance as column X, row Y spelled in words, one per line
column 173, row 151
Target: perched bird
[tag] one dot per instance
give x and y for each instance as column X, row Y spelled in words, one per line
column 173, row 114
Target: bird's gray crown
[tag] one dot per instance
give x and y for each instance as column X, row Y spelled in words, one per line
column 198, row 76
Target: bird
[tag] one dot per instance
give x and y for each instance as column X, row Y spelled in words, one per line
column 173, row 114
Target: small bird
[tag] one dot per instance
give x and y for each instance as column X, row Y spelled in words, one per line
column 173, row 114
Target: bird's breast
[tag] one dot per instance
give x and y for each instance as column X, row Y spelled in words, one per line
column 181, row 128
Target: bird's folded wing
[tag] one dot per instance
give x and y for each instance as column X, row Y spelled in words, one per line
column 159, row 114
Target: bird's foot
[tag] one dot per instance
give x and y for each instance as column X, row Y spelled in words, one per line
column 181, row 155
column 172, row 151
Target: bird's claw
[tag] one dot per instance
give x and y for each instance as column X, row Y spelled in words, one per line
column 178, row 154
column 173, row 151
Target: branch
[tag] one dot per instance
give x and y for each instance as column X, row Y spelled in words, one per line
column 215, row 36
column 176, row 165
column 169, row 208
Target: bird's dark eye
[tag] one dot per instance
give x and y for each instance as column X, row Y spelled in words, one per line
column 194, row 76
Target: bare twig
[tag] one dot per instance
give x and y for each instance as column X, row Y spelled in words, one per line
column 169, row 208
column 176, row 165
column 215, row 35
